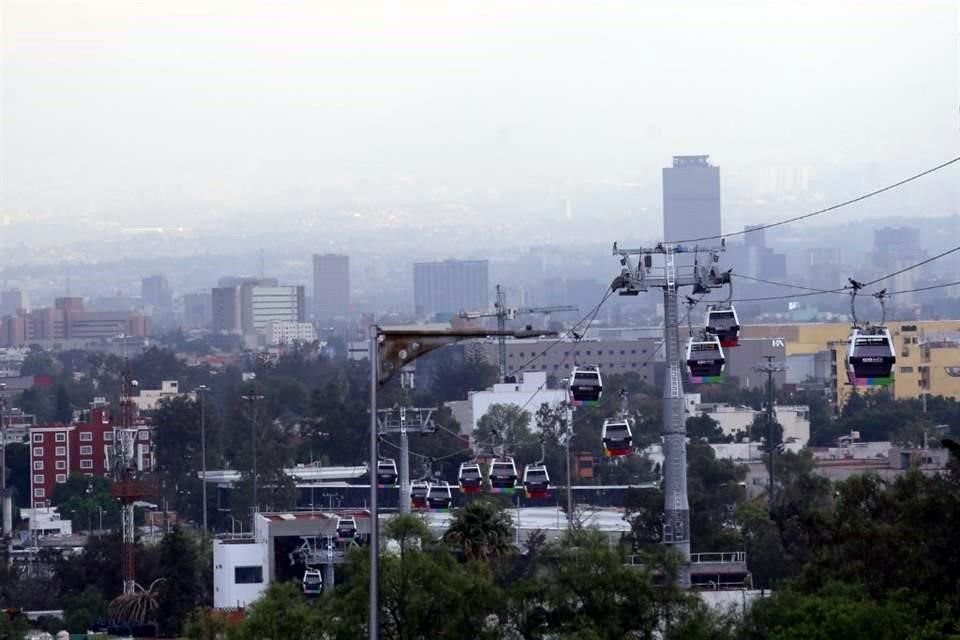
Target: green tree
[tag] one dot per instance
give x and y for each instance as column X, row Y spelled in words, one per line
column 82, row 609
column 86, row 499
column 180, row 592
column 480, row 530
column 38, row 363
column 705, row 427
column 504, row 423
column 63, row 409
column 13, row 625
column 836, row 611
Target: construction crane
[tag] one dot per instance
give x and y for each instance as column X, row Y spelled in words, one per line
column 503, row 313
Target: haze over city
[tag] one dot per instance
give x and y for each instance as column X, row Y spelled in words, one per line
column 427, row 320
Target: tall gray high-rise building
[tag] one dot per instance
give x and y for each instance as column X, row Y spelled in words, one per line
column 155, row 291
column 450, row 286
column 12, row 301
column 691, row 199
column 331, row 286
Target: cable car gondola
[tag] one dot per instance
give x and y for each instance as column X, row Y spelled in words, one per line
column 346, row 528
column 536, row 480
column 724, row 323
column 470, row 478
column 503, row 476
column 312, row 582
column 419, row 490
column 705, row 360
column 439, row 497
column 870, row 357
column 617, row 438
column 586, row 386
column 387, row 473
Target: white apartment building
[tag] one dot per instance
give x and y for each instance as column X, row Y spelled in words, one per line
column 149, row 399
column 529, row 392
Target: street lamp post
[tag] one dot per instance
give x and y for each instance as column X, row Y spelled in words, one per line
column 201, row 393
column 251, row 398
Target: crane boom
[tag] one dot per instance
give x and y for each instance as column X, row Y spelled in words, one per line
column 503, row 313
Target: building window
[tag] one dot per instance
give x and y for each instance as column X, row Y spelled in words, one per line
column 38, row 465
column 61, row 451
column 588, row 352
column 86, row 464
column 38, row 452
column 108, row 436
column 906, row 369
column 61, row 478
column 633, row 351
column 144, row 436
column 86, row 436
column 38, row 438
column 61, row 465
column 86, row 450
column 61, row 436
column 38, row 478
column 39, row 493
column 247, row 575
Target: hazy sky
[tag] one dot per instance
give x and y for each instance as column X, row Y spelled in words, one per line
column 107, row 105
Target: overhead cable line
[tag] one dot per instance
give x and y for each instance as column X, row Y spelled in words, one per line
column 929, row 288
column 846, row 289
column 913, row 266
column 588, row 318
column 827, row 209
column 783, row 284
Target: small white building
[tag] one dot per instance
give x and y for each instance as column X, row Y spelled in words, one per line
column 46, row 521
column 149, row 399
column 238, row 572
column 530, row 391
column 288, row 332
column 795, row 420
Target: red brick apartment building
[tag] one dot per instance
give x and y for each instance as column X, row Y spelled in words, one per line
column 57, row 450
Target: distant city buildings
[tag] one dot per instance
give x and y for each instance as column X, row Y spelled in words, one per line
column 12, row 301
column 69, row 320
column 331, row 286
column 282, row 332
column 450, row 286
column 691, row 199
column 247, row 305
column 155, row 292
column 197, row 310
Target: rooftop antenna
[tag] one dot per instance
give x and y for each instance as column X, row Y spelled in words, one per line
column 261, row 263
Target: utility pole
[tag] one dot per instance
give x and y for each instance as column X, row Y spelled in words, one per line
column 503, row 313
column 403, row 420
column 391, row 349
column 201, row 392
column 5, row 501
column 568, row 415
column 770, row 368
column 634, row 278
column 253, row 398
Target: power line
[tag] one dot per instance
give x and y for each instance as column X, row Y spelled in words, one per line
column 913, row 266
column 592, row 314
column 784, row 284
column 930, row 288
column 826, row 210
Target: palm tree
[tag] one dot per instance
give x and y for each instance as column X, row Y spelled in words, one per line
column 137, row 607
column 481, row 530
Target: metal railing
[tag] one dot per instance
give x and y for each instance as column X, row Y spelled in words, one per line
column 721, row 557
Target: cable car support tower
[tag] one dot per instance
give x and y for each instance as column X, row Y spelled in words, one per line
column 404, row 420
column 635, row 276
